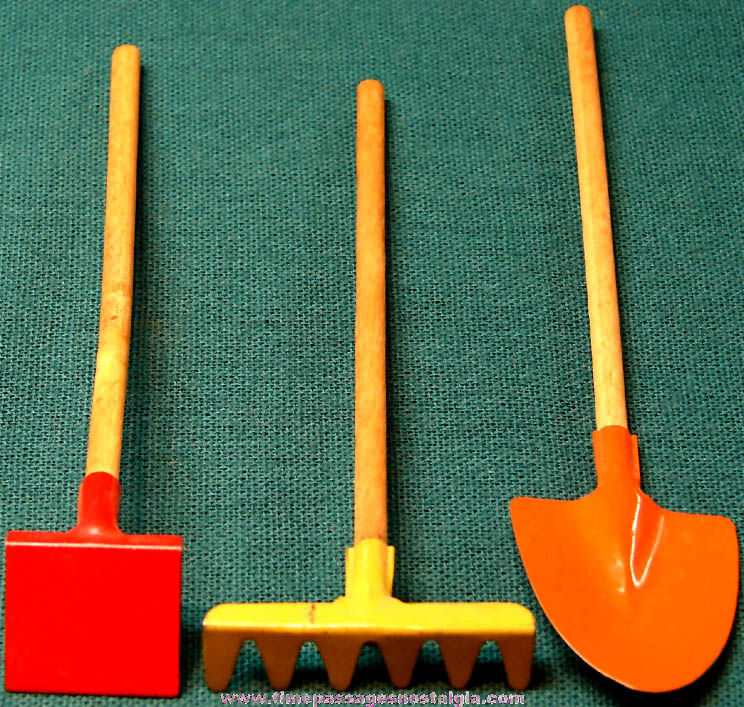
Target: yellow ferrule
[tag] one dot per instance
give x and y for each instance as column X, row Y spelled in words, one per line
column 369, row 569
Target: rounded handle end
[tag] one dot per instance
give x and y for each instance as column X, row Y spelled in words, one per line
column 370, row 88
column 576, row 15
column 126, row 51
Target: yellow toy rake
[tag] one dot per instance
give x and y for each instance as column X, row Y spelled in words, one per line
column 367, row 612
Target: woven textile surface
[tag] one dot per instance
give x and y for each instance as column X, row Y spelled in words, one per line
column 239, row 421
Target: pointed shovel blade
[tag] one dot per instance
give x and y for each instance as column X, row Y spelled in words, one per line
column 645, row 595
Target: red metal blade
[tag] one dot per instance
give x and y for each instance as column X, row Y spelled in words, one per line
column 93, row 611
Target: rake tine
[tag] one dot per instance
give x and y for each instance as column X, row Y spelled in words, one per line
column 400, row 658
column 279, row 655
column 459, row 656
column 220, row 655
column 340, row 657
column 516, row 653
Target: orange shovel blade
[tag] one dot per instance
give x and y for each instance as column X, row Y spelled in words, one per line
column 645, row 595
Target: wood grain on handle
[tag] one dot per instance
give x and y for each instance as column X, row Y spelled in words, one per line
column 604, row 319
column 370, row 494
column 109, row 389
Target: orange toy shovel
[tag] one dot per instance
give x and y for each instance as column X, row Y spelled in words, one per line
column 645, row 595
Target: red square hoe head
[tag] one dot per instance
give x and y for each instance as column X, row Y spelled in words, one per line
column 93, row 611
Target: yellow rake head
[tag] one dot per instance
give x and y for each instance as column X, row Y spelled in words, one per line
column 367, row 612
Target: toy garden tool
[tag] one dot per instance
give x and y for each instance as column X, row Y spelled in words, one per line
column 644, row 595
column 94, row 611
column 368, row 613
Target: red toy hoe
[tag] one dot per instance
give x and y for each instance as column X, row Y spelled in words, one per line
column 94, row 611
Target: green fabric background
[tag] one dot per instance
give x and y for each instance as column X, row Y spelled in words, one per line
column 239, row 417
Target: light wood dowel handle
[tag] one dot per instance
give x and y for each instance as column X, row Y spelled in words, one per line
column 604, row 319
column 109, row 389
column 370, row 493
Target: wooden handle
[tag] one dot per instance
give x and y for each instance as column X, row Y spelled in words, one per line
column 370, row 493
column 109, row 389
column 604, row 318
